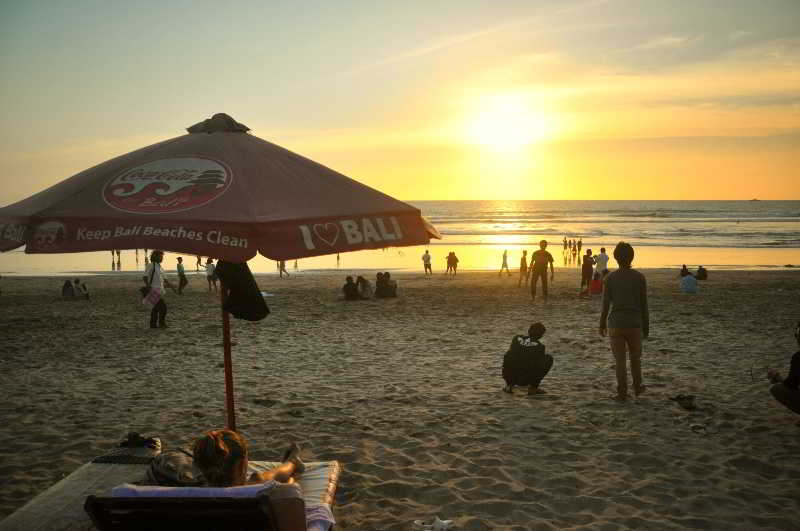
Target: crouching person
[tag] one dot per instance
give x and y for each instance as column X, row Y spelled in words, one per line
column 525, row 363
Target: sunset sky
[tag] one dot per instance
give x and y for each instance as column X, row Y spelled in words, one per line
column 557, row 99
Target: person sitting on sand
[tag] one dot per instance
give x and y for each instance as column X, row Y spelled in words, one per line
column 67, row 290
column 702, row 273
column 81, row 291
column 787, row 391
column 525, row 363
column 391, row 285
column 625, row 294
column 688, row 284
column 685, row 271
column 222, row 457
column 350, row 290
column 364, row 287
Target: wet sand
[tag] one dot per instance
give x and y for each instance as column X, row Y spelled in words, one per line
column 406, row 393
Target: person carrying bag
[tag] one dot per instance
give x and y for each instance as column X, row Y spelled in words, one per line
column 152, row 293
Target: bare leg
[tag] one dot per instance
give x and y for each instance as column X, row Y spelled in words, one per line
column 285, row 472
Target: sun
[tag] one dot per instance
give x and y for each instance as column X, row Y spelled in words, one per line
column 507, row 122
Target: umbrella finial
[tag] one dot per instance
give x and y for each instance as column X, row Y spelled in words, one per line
column 219, row 123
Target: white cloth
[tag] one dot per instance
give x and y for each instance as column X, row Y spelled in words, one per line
column 426, row 258
column 209, row 270
column 602, row 262
column 158, row 276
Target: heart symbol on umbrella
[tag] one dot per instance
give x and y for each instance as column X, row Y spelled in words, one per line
column 327, row 232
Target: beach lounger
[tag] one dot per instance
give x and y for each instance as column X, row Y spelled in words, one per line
column 61, row 507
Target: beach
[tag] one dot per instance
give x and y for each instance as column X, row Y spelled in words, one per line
column 407, row 394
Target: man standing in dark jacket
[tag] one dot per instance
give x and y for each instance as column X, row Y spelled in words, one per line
column 628, row 322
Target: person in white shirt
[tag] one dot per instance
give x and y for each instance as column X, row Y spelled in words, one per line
column 601, row 261
column 154, row 279
column 426, row 261
column 211, row 274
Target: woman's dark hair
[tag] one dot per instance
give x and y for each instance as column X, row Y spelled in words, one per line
column 623, row 254
column 536, row 331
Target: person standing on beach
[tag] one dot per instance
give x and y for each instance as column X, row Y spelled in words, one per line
column 182, row 281
column 504, row 265
column 282, row 268
column 211, row 274
column 523, row 269
column 539, row 261
column 628, row 322
column 580, row 244
column 601, row 261
column 154, row 278
column 565, row 244
column 426, row 262
column 586, row 271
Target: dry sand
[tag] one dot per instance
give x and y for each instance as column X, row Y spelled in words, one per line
column 407, row 394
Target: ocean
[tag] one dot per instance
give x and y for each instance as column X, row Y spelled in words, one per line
column 718, row 234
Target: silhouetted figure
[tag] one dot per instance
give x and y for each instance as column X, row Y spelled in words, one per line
column 685, row 271
column 199, row 262
column 350, row 290
column 702, row 273
column 365, row 290
column 523, row 269
column 67, row 290
column 282, row 268
column 586, row 271
column 525, row 362
column 539, row 262
column 580, row 244
column 426, row 262
column 182, row 280
column 504, row 265
column 81, row 290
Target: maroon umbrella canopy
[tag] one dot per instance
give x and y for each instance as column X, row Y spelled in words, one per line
column 216, row 191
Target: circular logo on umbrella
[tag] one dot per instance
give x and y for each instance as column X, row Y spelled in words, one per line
column 168, row 185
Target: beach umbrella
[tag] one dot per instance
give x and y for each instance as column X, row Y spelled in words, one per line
column 216, row 191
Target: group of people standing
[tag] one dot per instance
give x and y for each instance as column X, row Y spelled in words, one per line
column 74, row 289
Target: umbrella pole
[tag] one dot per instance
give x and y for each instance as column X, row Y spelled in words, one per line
column 226, row 343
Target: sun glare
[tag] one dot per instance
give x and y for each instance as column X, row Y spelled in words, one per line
column 507, row 122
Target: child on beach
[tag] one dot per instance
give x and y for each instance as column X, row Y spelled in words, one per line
column 525, row 363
